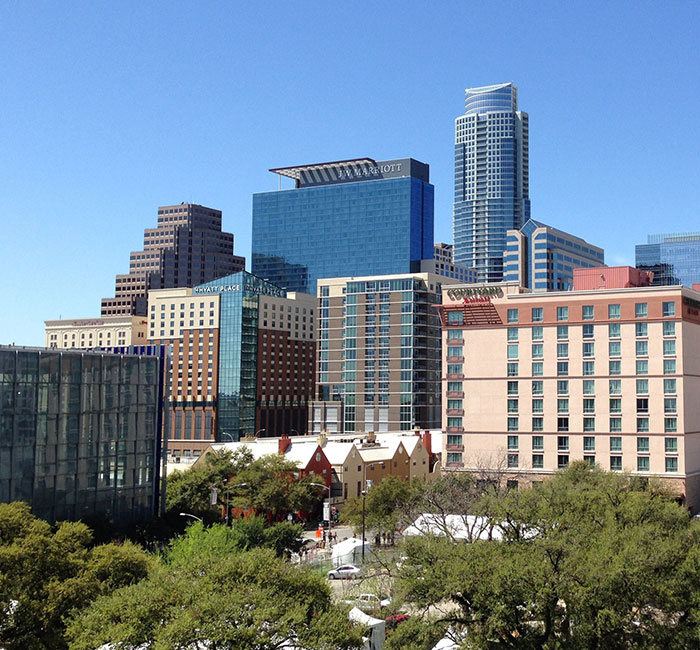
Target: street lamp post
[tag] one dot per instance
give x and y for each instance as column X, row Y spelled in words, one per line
column 364, row 492
column 294, row 431
column 228, row 490
column 230, row 435
column 187, row 514
column 259, row 431
column 326, row 487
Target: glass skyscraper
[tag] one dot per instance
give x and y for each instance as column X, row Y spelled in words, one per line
column 674, row 258
column 344, row 218
column 491, row 178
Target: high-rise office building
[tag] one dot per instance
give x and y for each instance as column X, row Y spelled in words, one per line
column 187, row 248
column 243, row 358
column 674, row 258
column 543, row 258
column 378, row 353
column 80, row 432
column 491, row 178
column 344, row 218
column 443, row 264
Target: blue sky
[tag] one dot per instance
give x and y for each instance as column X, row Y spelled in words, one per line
column 111, row 109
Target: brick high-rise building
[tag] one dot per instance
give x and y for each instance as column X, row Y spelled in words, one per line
column 187, row 248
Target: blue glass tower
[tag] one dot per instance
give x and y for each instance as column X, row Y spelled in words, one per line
column 491, row 178
column 345, row 218
column 674, row 258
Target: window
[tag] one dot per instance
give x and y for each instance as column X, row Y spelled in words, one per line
column 613, row 311
column 512, row 315
column 615, row 463
column 512, row 369
column 537, row 369
column 671, row 445
column 589, row 405
column 562, row 332
column 512, row 406
column 589, row 368
column 454, row 318
column 669, row 328
column 512, row 350
column 537, row 443
column 669, row 404
column 670, row 386
column 642, row 445
column 669, row 347
column 642, row 405
column 642, row 367
column 588, row 349
column 614, row 368
column 538, row 405
column 588, row 443
column 512, row 333
column 615, row 405
column 513, row 443
column 615, row 387
column 537, row 461
column 538, row 387
column 563, row 443
column 562, row 313
column 614, row 330
column 670, row 425
column 590, row 460
column 563, row 405
column 589, row 386
column 562, row 386
column 512, row 460
column 537, row 333
column 615, row 443
column 640, row 310
column 588, row 331
column 642, row 463
column 537, row 350
column 562, row 461
column 642, row 386
column 589, row 424
column 672, row 462
column 615, row 425
column 512, row 388
column 641, row 330
column 562, row 424
column 669, row 309
column 642, row 348
column 512, row 424
column 562, row 368
column 537, row 315
column 537, row 424
column 587, row 312
column 614, row 348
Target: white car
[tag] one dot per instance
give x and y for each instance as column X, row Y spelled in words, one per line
column 369, row 600
column 345, row 572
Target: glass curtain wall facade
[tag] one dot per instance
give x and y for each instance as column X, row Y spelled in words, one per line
column 351, row 222
column 674, row 258
column 80, row 433
column 544, row 258
column 491, row 178
column 238, row 342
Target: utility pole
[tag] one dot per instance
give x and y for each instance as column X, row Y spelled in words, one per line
column 364, row 492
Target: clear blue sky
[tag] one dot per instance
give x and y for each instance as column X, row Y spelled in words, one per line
column 108, row 110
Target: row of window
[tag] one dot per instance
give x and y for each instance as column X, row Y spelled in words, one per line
column 588, row 312
column 587, row 368
column 641, row 330
column 589, row 443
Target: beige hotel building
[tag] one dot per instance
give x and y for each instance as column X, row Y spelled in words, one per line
column 608, row 373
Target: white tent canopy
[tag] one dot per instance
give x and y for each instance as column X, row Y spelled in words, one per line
column 349, row 551
column 467, row 527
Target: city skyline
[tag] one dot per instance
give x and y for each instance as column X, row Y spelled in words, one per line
column 99, row 130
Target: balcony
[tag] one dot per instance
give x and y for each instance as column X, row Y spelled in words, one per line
column 458, row 394
column 455, row 411
column 455, row 429
column 454, row 341
column 452, row 464
column 455, row 359
column 455, row 376
column 449, row 447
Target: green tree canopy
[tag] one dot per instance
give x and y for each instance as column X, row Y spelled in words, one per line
column 47, row 572
column 589, row 559
column 218, row 600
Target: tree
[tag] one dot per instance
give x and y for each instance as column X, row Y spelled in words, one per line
column 384, row 503
column 589, row 559
column 220, row 601
column 190, row 490
column 47, row 572
column 271, row 485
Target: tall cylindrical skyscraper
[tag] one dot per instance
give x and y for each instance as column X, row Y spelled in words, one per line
column 491, row 178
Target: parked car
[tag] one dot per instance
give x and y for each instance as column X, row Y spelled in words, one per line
column 345, row 572
column 369, row 601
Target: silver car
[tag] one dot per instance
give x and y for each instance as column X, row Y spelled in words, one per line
column 345, row 572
